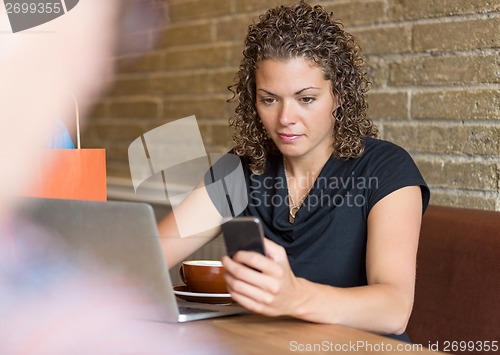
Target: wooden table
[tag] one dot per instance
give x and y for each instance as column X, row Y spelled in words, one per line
column 255, row 334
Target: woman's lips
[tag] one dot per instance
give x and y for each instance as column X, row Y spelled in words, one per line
column 289, row 137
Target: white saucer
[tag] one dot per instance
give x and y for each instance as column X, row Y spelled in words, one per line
column 218, row 298
column 195, row 294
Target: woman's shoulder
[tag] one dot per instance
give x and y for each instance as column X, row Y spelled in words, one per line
column 393, row 167
column 375, row 145
column 273, row 164
column 379, row 151
column 381, row 158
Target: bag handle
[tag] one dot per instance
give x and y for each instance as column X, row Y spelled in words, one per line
column 78, row 145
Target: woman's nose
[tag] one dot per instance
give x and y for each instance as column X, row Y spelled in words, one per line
column 286, row 114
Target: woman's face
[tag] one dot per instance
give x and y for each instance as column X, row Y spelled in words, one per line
column 296, row 105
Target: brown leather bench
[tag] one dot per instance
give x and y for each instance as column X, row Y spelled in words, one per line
column 457, row 296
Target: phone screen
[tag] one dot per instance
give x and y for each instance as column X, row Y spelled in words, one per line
column 243, row 233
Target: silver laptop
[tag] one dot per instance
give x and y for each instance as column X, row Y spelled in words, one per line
column 123, row 236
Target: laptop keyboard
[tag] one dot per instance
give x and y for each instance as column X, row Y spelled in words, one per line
column 195, row 310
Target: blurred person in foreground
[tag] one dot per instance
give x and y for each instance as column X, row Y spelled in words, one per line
column 341, row 209
column 51, row 305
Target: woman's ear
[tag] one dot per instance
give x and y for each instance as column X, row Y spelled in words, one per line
column 337, row 103
column 336, row 107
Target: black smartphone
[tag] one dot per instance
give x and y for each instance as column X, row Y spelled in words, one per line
column 243, row 233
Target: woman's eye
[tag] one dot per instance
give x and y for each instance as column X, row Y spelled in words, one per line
column 267, row 100
column 307, row 100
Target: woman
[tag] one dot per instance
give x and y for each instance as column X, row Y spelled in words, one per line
column 341, row 209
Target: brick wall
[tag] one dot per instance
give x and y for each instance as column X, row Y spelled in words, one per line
column 434, row 67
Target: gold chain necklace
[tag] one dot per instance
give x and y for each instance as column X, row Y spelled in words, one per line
column 294, row 207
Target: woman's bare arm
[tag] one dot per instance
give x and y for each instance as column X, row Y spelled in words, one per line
column 189, row 226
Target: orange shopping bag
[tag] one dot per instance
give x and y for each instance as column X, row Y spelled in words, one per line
column 76, row 174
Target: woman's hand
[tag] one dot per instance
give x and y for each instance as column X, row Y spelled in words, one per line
column 263, row 284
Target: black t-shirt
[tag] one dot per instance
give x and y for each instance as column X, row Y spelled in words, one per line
column 327, row 241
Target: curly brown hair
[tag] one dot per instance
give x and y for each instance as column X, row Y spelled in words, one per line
column 308, row 32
